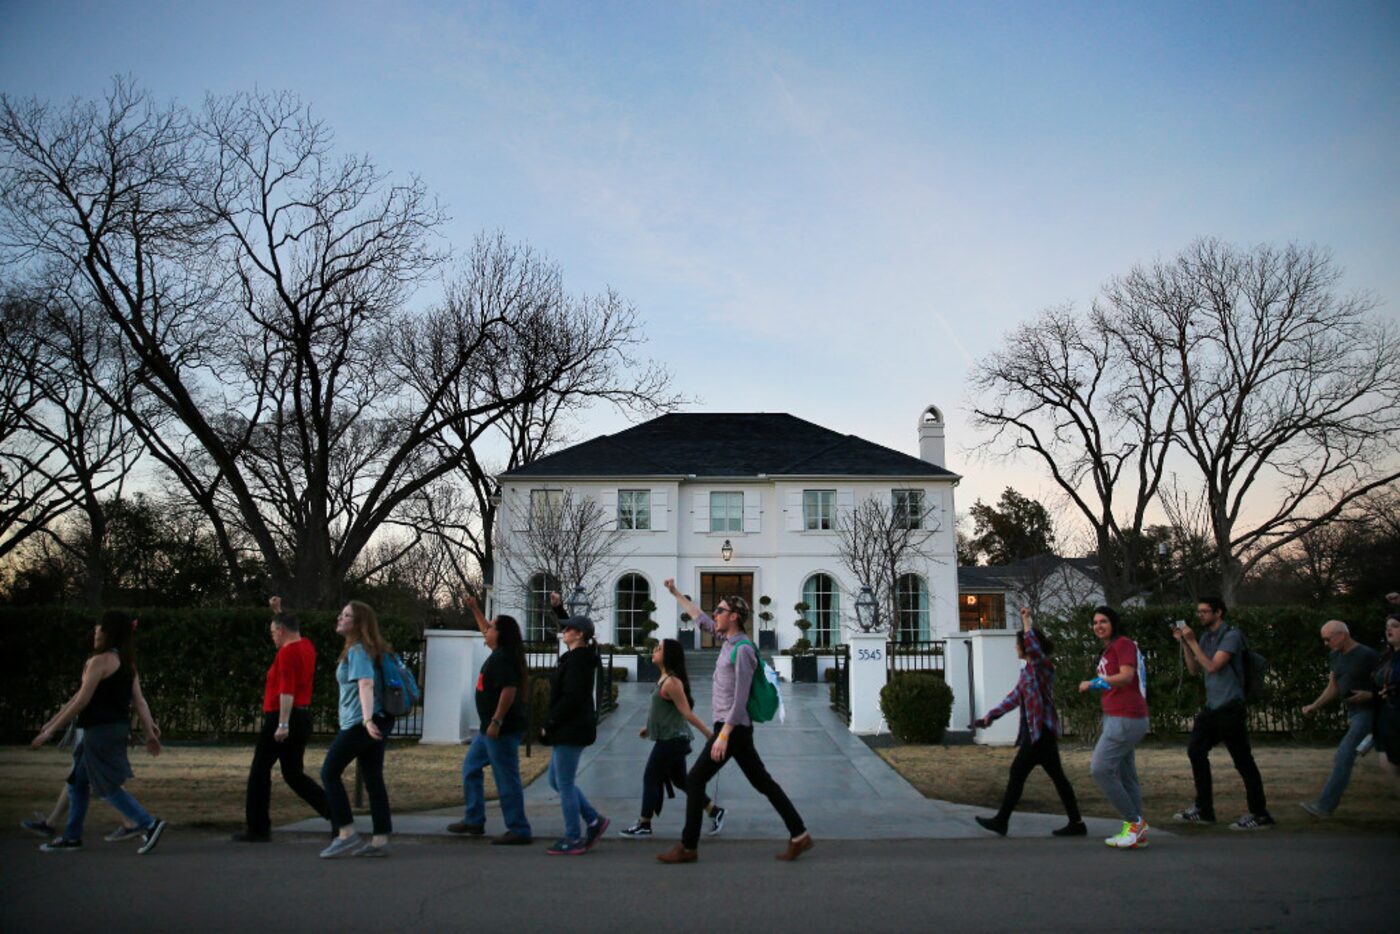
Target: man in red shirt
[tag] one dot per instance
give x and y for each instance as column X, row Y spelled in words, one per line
column 286, row 727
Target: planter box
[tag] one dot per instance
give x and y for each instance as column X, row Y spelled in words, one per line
column 767, row 640
column 782, row 664
column 804, row 669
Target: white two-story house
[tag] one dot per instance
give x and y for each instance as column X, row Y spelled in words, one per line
column 746, row 504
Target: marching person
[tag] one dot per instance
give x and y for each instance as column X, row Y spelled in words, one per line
column 286, row 728
column 1219, row 655
column 1350, row 665
column 1036, row 740
column 1121, row 676
column 1385, row 699
column 732, row 736
column 363, row 737
column 666, row 727
column 502, row 692
column 570, row 726
column 43, row 825
column 102, row 707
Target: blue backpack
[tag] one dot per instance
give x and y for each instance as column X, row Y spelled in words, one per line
column 401, row 691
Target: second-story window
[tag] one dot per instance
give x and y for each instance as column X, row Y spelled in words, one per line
column 726, row 512
column 819, row 509
column 908, row 509
column 634, row 510
column 546, row 508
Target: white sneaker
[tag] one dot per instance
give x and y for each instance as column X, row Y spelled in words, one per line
column 1131, row 837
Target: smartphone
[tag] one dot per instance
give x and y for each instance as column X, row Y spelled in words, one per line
column 1178, row 624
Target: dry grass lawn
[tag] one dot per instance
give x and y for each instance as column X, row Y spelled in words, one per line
column 1292, row 773
column 203, row 786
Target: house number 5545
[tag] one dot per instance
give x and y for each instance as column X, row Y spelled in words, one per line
column 869, row 655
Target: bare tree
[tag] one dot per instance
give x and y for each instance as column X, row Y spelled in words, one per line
column 880, row 540
column 1288, row 392
column 1090, row 407
column 568, row 537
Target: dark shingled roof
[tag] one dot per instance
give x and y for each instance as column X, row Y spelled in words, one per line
column 728, row 445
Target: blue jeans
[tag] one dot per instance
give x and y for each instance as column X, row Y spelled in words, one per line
column 1358, row 727
column 503, row 755
column 563, row 766
column 80, row 795
column 356, row 745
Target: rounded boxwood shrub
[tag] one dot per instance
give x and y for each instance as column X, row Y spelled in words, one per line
column 916, row 705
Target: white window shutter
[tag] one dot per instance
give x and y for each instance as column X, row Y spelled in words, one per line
column 609, row 501
column 793, row 510
column 659, row 510
column 575, row 504
column 702, row 510
column 751, row 514
column 517, row 505
column 845, row 502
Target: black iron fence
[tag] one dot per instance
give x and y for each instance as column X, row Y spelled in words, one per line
column 841, row 682
column 927, row 655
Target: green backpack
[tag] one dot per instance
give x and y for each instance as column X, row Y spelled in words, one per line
column 763, row 694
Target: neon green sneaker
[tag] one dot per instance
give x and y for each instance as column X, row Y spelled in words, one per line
column 1133, row 836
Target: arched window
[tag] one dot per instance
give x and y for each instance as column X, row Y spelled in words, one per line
column 541, row 625
column 911, row 600
column 631, row 597
column 823, row 598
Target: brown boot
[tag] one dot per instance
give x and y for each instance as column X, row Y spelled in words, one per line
column 679, row 854
column 796, row 848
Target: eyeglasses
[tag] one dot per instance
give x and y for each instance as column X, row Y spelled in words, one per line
column 722, row 609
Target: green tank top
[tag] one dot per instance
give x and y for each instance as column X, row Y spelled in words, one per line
column 664, row 721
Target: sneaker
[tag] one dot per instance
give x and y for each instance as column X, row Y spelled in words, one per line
column 471, row 830
column 60, row 845
column 511, row 838
column 1315, row 810
column 371, row 851
column 1193, row 815
column 151, row 836
column 342, row 846
column 1133, row 836
column 126, row 833
column 636, row 831
column 39, row 826
column 1367, row 742
column 677, row 854
column 595, row 832
column 717, row 821
column 994, row 824
column 1253, row 822
column 565, row 847
column 245, row 836
column 1075, row 828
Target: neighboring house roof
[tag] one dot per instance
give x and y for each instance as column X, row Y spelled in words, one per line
column 982, row 579
column 1012, row 576
column 728, row 445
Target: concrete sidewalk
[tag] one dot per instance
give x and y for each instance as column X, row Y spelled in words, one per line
column 843, row 790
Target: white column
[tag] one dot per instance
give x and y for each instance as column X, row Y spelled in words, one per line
column 867, row 662
column 955, row 673
column 449, row 707
column 995, row 669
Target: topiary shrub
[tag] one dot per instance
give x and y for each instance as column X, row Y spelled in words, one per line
column 916, row 705
column 619, row 673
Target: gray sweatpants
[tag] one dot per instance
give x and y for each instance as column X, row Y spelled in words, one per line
column 1114, row 765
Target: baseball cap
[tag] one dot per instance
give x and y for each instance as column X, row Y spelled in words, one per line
column 582, row 623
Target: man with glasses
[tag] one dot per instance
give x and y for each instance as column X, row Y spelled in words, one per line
column 735, row 670
column 1351, row 664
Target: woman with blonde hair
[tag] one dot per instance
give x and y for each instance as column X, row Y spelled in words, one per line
column 363, row 736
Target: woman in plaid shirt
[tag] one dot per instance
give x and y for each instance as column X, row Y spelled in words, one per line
column 1040, row 728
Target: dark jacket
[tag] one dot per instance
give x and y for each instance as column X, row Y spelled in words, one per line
column 573, row 718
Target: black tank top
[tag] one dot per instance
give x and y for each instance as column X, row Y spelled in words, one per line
column 111, row 702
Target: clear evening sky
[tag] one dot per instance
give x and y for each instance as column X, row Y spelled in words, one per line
column 832, row 210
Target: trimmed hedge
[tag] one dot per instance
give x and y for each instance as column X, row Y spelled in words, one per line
column 916, row 705
column 1286, row 636
column 202, row 670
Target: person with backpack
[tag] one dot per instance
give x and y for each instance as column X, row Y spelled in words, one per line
column 364, row 734
column 502, row 689
column 1036, row 741
column 1122, row 676
column 570, row 726
column 286, row 728
column 736, row 671
column 1221, row 655
column 666, row 727
column 102, row 706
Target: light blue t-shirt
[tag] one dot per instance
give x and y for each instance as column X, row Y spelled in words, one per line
column 348, row 673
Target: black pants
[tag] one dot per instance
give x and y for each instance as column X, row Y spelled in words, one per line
column 665, row 766
column 742, row 751
column 1044, row 752
column 356, row 745
column 1226, row 725
column 289, row 754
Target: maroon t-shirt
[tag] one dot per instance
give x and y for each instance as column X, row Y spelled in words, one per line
column 290, row 673
column 1130, row 700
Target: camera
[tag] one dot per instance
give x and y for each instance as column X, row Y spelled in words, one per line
column 1178, row 624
